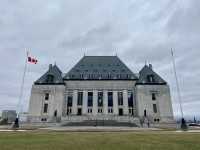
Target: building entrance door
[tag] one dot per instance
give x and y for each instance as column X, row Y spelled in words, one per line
column 79, row 112
column 120, row 112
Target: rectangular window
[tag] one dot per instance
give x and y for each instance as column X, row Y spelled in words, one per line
column 110, row 110
column 80, row 98
column 46, row 96
column 150, row 78
column 90, row 99
column 45, row 108
column 154, row 108
column 69, row 101
column 120, row 98
column 130, row 99
column 110, row 99
column 153, row 96
column 90, row 110
column 100, row 99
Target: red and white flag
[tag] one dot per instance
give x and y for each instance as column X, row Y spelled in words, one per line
column 32, row 60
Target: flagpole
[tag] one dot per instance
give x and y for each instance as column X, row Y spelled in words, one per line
column 19, row 107
column 183, row 123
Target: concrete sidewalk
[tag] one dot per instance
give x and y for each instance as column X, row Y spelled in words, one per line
column 99, row 129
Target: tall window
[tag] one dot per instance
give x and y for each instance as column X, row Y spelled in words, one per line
column 69, row 101
column 153, row 96
column 130, row 99
column 50, row 78
column 100, row 99
column 80, row 98
column 110, row 99
column 90, row 99
column 46, row 96
column 120, row 98
column 155, row 108
column 45, row 108
column 150, row 78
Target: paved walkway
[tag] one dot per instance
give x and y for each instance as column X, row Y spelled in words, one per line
column 99, row 129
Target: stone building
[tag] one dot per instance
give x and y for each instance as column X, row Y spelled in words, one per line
column 100, row 88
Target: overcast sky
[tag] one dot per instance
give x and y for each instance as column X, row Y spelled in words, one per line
column 62, row 31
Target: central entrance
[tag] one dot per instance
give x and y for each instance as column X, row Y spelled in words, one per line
column 120, row 112
column 79, row 113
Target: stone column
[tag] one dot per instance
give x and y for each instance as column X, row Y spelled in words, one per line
column 74, row 103
column 125, row 101
column 85, row 99
column 105, row 102
column 134, row 104
column 95, row 107
column 115, row 103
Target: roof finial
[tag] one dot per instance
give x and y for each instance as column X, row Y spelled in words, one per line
column 145, row 62
column 55, row 63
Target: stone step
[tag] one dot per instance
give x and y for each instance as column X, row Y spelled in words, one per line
column 100, row 123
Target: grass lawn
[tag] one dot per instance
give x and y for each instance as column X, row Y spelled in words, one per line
column 157, row 140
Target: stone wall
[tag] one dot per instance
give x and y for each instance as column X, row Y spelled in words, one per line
column 163, row 102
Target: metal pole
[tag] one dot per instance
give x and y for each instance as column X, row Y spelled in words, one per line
column 19, row 107
column 177, row 84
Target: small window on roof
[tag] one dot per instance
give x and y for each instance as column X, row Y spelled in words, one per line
column 113, row 70
column 123, row 70
column 150, row 78
column 50, row 78
column 86, row 70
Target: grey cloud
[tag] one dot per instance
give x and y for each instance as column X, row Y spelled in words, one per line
column 62, row 31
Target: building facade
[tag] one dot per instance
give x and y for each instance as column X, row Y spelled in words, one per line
column 100, row 87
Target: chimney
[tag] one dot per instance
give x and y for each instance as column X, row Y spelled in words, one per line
column 50, row 66
column 150, row 66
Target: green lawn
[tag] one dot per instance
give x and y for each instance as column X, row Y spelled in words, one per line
column 35, row 140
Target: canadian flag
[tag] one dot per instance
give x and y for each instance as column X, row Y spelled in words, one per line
column 32, row 60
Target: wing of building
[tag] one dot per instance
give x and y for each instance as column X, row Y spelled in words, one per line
column 100, row 88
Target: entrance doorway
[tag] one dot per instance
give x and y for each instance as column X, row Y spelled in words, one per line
column 79, row 113
column 120, row 112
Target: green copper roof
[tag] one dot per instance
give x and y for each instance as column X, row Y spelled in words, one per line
column 100, row 67
column 52, row 76
column 148, row 76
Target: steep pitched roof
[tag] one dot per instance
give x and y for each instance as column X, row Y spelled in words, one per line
column 52, row 76
column 148, row 76
column 100, row 67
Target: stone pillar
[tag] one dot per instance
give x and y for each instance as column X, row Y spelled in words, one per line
column 105, row 102
column 85, row 99
column 125, row 101
column 115, row 103
column 134, row 104
column 74, row 103
column 95, row 105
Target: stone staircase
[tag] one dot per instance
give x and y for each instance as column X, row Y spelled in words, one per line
column 115, row 121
